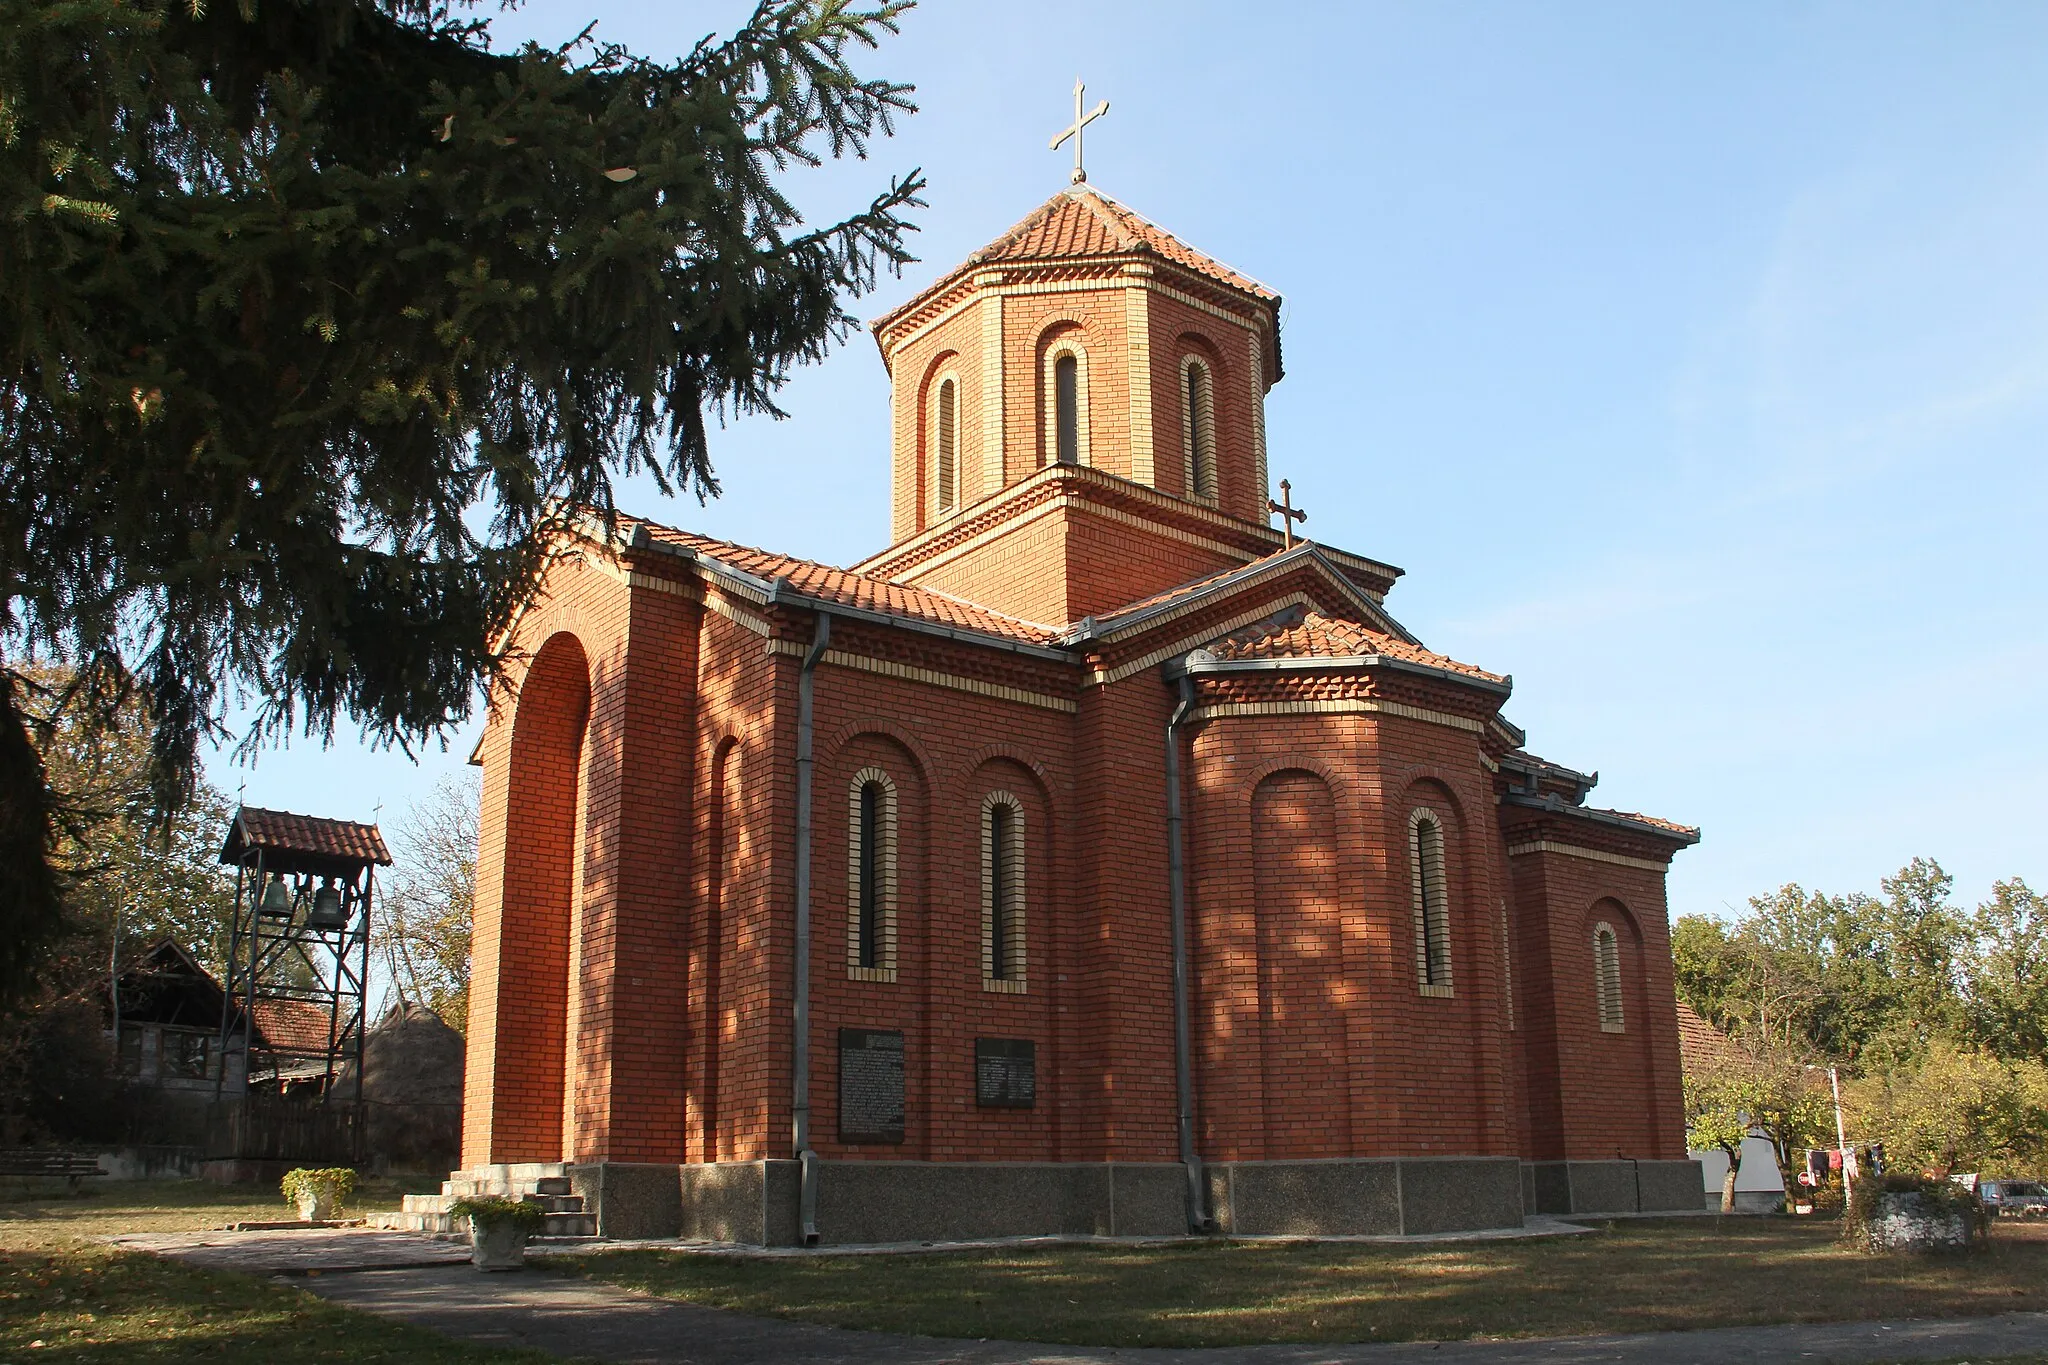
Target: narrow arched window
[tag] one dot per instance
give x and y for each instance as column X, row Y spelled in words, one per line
column 1607, row 978
column 1066, row 390
column 946, row 444
column 1002, row 893
column 1432, row 903
column 1198, row 429
column 871, row 877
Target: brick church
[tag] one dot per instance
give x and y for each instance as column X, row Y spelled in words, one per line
column 1098, row 857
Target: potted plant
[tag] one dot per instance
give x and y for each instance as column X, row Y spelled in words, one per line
column 318, row 1192
column 498, row 1229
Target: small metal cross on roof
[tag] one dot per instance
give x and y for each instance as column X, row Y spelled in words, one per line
column 1074, row 129
column 1289, row 513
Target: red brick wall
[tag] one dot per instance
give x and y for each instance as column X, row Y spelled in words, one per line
column 659, row 938
column 1097, row 320
column 1594, row 1095
column 944, row 751
column 1415, row 1075
column 1179, row 331
column 1304, row 990
column 747, row 701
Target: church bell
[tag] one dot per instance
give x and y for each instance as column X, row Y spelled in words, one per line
column 327, row 912
column 277, row 901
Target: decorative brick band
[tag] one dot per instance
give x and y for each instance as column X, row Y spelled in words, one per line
column 689, row 592
column 1374, row 615
column 738, row 617
column 1065, row 502
column 1343, row 706
column 930, row 677
column 975, row 292
column 1124, row 670
column 1590, row 854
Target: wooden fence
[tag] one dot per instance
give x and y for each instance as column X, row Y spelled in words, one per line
column 270, row 1130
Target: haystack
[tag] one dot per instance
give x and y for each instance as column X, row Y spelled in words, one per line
column 413, row 1064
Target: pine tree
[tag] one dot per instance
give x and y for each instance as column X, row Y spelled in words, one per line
column 321, row 316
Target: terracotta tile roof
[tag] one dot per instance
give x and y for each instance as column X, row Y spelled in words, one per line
column 1689, row 831
column 291, row 1025
column 1303, row 634
column 283, row 832
column 1700, row 1044
column 1083, row 221
column 850, row 589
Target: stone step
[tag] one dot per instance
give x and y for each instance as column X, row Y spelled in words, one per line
column 407, row 1221
column 438, row 1203
column 558, row 1226
column 547, row 1187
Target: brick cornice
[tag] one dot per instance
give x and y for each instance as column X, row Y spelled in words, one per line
column 1085, row 485
column 967, row 284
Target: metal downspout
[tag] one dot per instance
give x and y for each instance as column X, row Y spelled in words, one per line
column 1176, row 876
column 800, row 1060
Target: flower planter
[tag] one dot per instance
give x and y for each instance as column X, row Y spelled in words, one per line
column 1910, row 1221
column 316, row 1208
column 497, row 1244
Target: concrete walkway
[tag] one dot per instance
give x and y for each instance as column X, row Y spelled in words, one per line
column 297, row 1251
column 575, row 1317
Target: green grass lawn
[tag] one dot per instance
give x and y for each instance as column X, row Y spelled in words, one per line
column 65, row 1298
column 1631, row 1276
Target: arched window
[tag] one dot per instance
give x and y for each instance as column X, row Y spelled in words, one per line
column 946, row 445
column 1432, row 903
column 1066, row 387
column 1198, row 428
column 1065, row 404
column 1002, row 893
column 871, row 877
column 1607, row 977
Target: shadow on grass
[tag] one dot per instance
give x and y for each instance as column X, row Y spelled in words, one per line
column 91, row 1304
column 49, row 1217
column 1634, row 1276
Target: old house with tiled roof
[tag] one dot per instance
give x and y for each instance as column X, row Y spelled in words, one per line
column 1095, row 857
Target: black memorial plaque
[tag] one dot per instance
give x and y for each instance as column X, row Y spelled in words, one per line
column 1005, row 1073
column 870, row 1085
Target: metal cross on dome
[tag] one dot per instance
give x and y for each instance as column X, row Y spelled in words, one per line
column 1289, row 513
column 1073, row 130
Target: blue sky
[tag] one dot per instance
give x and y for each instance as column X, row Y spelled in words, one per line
column 1693, row 360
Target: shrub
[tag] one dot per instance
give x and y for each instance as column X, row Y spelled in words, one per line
column 485, row 1209
column 336, row 1183
column 1945, row 1195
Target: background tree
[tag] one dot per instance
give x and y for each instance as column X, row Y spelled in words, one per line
column 319, row 319
column 2007, row 974
column 428, row 896
column 1938, row 1016
column 1768, row 1091
column 1718, row 1102
column 1956, row 1109
column 125, row 877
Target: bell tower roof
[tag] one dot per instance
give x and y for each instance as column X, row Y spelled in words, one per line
column 1082, row 224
